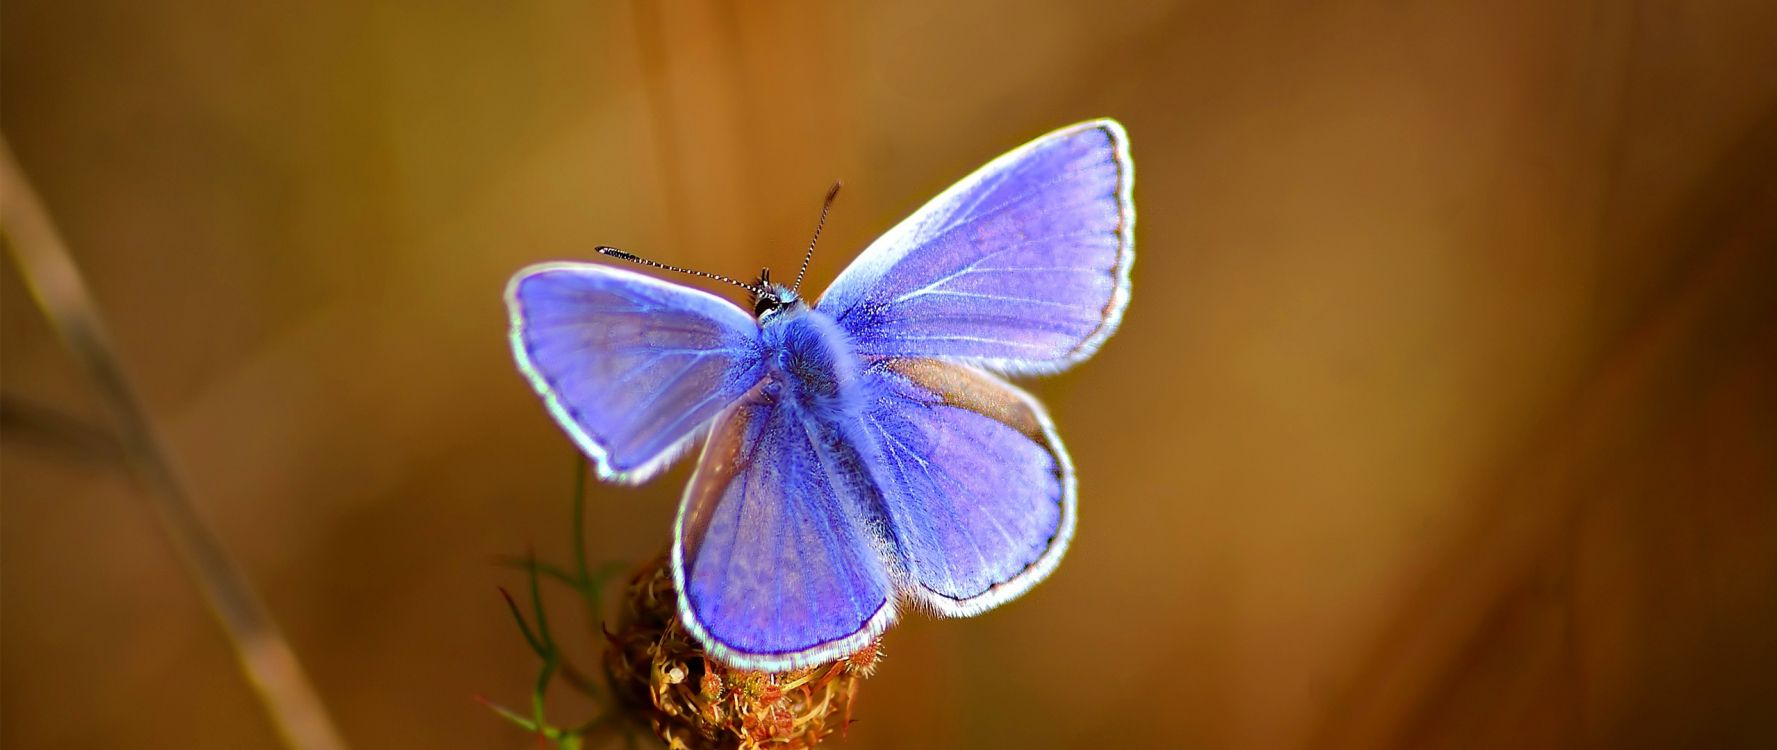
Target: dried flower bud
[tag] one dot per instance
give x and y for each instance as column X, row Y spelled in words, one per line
column 692, row 701
column 863, row 663
column 711, row 688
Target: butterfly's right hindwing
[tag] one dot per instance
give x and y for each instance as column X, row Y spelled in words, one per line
column 975, row 481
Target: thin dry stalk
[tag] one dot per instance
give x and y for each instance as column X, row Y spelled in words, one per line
column 265, row 655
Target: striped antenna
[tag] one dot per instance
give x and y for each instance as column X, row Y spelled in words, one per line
column 832, row 192
column 633, row 258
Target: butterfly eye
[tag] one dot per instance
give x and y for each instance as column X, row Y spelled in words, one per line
column 766, row 303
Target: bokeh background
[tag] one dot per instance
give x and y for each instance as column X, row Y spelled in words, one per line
column 1443, row 414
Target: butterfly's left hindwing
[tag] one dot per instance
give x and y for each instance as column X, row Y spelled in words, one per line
column 777, row 559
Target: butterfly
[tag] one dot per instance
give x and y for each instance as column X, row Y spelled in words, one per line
column 861, row 454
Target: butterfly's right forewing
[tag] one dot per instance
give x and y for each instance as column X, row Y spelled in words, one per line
column 1022, row 267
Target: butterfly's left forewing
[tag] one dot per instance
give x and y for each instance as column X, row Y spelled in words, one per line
column 632, row 367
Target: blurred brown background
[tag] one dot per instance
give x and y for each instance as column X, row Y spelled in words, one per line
column 1443, row 415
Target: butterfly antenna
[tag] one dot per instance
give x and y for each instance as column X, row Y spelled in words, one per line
column 633, row 258
column 832, row 192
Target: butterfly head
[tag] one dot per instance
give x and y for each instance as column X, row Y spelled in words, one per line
column 770, row 300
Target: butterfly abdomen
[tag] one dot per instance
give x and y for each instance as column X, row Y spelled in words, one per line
column 812, row 363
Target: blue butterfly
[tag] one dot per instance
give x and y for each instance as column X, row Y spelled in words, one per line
column 860, row 454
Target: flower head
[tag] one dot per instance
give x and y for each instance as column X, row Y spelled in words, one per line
column 694, row 701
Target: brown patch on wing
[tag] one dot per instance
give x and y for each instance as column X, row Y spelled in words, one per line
column 725, row 455
column 970, row 389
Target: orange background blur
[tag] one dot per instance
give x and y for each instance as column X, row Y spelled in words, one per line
column 1443, row 414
